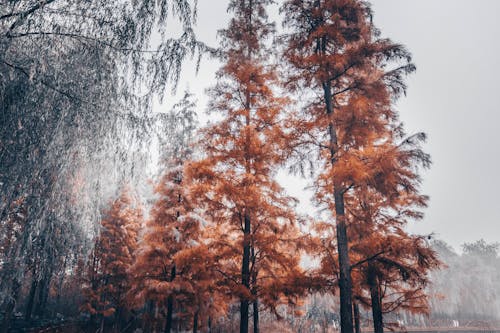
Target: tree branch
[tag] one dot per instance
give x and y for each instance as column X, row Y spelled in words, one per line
column 359, row 263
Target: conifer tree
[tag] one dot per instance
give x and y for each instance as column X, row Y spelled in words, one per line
column 255, row 239
column 392, row 268
column 353, row 76
column 107, row 281
column 171, row 270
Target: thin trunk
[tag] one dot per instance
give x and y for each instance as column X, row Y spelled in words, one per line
column 345, row 283
column 118, row 320
column 170, row 305
column 60, row 284
column 256, row 316
column 31, row 299
column 101, row 329
column 8, row 311
column 357, row 318
column 254, row 273
column 209, row 324
column 195, row 322
column 43, row 293
column 378, row 323
column 245, row 274
column 150, row 317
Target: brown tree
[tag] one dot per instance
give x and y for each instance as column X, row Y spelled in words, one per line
column 171, row 271
column 255, row 238
column 352, row 76
column 107, row 279
column 392, row 266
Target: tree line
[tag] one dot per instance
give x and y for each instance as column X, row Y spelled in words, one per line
column 221, row 241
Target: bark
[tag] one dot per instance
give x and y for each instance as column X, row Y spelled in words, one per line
column 101, row 329
column 195, row 322
column 345, row 283
column 43, row 293
column 256, row 316
column 357, row 318
column 31, row 299
column 9, row 309
column 170, row 305
column 150, row 317
column 378, row 323
column 245, row 275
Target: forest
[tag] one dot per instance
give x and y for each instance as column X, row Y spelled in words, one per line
column 117, row 215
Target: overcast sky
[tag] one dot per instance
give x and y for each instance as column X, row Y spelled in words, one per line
column 453, row 97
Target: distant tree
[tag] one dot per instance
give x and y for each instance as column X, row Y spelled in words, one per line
column 466, row 289
column 107, row 282
column 351, row 76
column 481, row 248
column 256, row 240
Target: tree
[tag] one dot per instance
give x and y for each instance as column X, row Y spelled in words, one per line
column 74, row 100
column 171, row 266
column 465, row 289
column 170, row 271
column 107, row 272
column 352, row 76
column 396, row 277
column 255, row 239
column 123, row 30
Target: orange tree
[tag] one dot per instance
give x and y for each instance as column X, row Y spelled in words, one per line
column 106, row 281
column 392, row 266
column 171, row 270
column 254, row 236
column 351, row 76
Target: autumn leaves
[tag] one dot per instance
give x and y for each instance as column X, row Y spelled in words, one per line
column 224, row 231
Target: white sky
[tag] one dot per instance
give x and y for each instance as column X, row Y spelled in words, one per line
column 453, row 97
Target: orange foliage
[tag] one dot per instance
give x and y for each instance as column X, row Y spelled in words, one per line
column 254, row 228
column 106, row 281
column 367, row 178
column 172, row 261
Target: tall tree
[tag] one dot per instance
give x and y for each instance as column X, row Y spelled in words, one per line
column 352, row 75
column 108, row 282
column 254, row 220
column 70, row 78
column 122, row 29
column 171, row 272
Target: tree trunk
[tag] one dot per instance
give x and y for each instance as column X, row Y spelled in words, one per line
column 101, row 329
column 195, row 322
column 31, row 299
column 10, row 305
column 256, row 316
column 170, row 305
column 149, row 317
column 245, row 275
column 345, row 284
column 378, row 323
column 43, row 293
column 8, row 310
column 357, row 318
column 209, row 324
